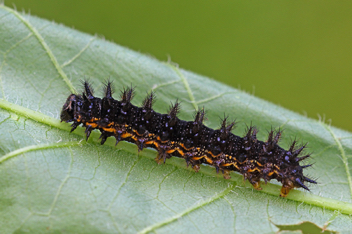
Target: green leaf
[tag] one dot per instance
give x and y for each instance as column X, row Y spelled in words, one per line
column 53, row 181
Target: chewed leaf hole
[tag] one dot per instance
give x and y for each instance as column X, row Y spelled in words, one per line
column 304, row 228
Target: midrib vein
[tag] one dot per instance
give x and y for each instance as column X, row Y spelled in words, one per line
column 295, row 195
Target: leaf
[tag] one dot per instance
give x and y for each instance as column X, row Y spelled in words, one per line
column 53, row 181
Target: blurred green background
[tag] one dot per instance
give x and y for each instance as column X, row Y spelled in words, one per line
column 296, row 54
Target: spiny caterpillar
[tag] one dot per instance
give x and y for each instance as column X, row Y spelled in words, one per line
column 191, row 140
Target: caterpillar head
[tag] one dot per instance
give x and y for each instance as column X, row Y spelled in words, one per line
column 73, row 103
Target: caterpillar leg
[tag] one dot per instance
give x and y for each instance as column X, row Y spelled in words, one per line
column 284, row 191
column 255, row 182
column 162, row 154
column 286, row 187
column 226, row 174
column 196, row 167
column 256, row 185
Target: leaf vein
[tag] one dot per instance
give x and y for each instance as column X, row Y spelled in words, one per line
column 5, row 57
column 185, row 83
column 61, row 185
column 118, row 192
column 214, row 97
column 123, row 183
column 343, row 154
column 187, row 211
column 79, row 53
column 164, row 84
column 163, row 180
column 234, row 214
column 44, row 45
column 37, row 147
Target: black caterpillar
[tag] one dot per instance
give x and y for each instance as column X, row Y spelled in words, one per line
column 191, row 140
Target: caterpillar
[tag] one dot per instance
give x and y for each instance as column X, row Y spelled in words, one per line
column 190, row 140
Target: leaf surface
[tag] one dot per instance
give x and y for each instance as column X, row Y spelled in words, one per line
column 53, row 181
